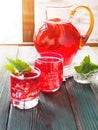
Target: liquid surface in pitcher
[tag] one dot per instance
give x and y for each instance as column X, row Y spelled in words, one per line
column 58, row 36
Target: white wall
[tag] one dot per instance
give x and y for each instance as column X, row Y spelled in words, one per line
column 10, row 21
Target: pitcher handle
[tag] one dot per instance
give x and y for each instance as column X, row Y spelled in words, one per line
column 86, row 36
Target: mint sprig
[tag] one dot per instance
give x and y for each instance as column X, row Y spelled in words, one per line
column 86, row 67
column 17, row 66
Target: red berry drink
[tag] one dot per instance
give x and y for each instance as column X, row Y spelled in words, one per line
column 51, row 66
column 24, row 89
column 58, row 36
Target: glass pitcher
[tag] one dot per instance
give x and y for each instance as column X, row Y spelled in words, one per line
column 58, row 34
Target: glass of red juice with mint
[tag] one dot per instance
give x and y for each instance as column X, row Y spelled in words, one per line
column 51, row 67
column 24, row 89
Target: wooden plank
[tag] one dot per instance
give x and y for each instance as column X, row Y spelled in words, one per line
column 55, row 112
column 94, row 87
column 4, row 85
column 5, row 51
column 28, row 53
column 84, row 105
column 28, row 20
column 52, row 113
column 4, row 104
column 20, row 119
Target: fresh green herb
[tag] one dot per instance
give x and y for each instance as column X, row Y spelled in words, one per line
column 17, row 66
column 86, row 67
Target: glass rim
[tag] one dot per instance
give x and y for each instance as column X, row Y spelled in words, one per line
column 49, row 55
column 21, row 77
column 56, row 53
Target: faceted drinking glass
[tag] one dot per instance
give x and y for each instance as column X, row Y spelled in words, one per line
column 24, row 89
column 51, row 66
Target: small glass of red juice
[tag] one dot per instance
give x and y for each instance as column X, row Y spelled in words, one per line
column 51, row 67
column 24, row 89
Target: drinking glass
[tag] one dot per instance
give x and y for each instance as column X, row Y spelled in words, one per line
column 51, row 66
column 24, row 89
column 83, row 79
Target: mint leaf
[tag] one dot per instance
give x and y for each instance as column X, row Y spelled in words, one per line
column 22, row 66
column 86, row 67
column 18, row 66
column 10, row 68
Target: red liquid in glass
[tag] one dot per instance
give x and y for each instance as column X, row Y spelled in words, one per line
column 24, row 89
column 51, row 75
column 58, row 36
